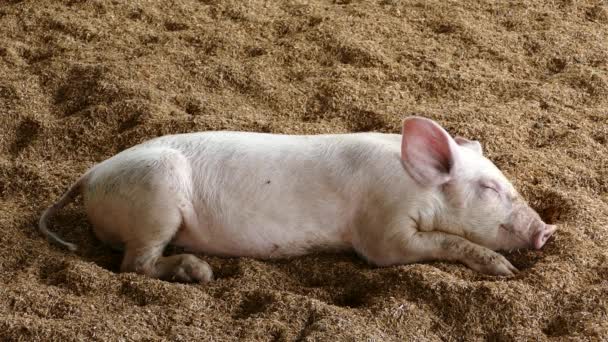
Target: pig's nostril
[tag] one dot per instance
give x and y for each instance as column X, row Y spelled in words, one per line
column 543, row 235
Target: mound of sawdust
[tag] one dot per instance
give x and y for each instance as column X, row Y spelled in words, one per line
column 82, row 80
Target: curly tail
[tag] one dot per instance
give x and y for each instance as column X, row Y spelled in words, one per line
column 49, row 212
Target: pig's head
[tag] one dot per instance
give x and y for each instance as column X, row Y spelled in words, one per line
column 477, row 201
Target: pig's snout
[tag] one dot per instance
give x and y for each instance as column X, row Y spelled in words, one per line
column 529, row 228
column 542, row 234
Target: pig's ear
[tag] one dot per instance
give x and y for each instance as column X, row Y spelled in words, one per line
column 471, row 144
column 427, row 151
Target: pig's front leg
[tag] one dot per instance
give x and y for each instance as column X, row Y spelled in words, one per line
column 426, row 246
column 410, row 246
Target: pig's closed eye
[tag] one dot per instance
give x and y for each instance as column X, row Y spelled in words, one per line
column 488, row 188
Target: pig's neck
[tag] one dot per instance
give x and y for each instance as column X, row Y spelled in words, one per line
column 436, row 215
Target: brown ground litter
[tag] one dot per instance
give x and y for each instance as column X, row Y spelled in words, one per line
column 81, row 80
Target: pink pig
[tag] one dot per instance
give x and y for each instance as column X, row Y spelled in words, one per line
column 394, row 199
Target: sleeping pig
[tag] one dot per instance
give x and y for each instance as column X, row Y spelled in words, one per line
column 394, row 199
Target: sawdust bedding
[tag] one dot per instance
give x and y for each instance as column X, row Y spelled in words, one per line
column 82, row 80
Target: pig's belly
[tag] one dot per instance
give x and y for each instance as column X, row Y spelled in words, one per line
column 259, row 238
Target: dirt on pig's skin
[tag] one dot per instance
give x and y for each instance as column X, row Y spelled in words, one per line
column 83, row 80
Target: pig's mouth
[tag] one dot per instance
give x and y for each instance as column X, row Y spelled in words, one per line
column 536, row 240
column 509, row 228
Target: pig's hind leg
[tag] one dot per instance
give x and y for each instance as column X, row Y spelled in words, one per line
column 146, row 258
column 143, row 252
column 143, row 213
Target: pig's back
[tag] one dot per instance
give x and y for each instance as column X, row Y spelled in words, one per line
column 252, row 142
column 246, row 152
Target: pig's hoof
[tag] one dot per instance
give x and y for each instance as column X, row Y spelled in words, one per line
column 191, row 269
column 496, row 265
